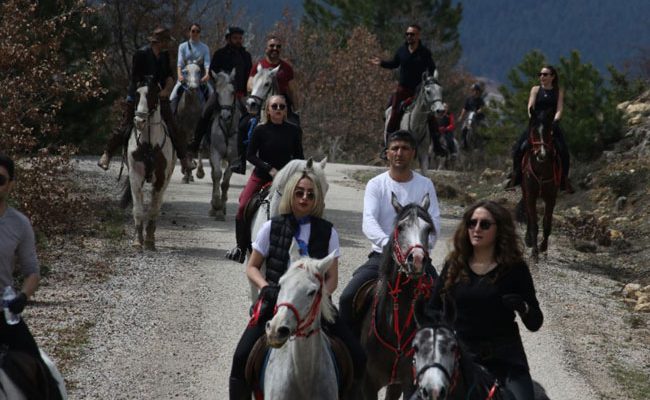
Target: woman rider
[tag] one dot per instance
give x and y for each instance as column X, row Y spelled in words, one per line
column 273, row 144
column 488, row 281
column 546, row 96
column 301, row 209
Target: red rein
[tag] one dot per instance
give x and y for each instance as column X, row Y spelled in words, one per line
column 304, row 324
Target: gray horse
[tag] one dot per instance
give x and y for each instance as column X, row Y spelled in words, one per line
column 189, row 105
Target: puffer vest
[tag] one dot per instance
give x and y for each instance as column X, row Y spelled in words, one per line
column 283, row 228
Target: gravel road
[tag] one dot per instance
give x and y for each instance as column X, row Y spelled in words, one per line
column 172, row 318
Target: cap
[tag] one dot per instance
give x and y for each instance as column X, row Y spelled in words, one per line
column 160, row 34
column 233, row 29
column 476, row 86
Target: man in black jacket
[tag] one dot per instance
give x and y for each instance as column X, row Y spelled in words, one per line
column 232, row 55
column 413, row 58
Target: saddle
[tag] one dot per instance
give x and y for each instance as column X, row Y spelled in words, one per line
column 258, row 358
column 362, row 299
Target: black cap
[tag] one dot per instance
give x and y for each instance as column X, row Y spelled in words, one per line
column 233, row 29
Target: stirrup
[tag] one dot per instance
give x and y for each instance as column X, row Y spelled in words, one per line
column 236, row 254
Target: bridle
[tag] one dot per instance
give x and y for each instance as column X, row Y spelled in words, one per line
column 303, row 324
column 452, row 378
column 401, row 257
column 147, row 116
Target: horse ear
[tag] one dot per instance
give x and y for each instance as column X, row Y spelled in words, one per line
column 259, row 68
column 435, row 74
column 449, row 310
column 425, row 201
column 325, row 264
column 310, row 163
column 425, row 75
column 323, row 162
column 276, row 69
column 232, row 74
column 294, row 252
column 396, row 205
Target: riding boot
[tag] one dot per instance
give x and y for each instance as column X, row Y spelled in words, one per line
column 516, row 176
column 187, row 164
column 120, row 134
column 238, row 253
column 238, row 389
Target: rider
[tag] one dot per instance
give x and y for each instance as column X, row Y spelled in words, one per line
column 273, row 144
column 413, row 59
column 17, row 244
column 486, row 278
column 300, row 218
column 446, row 129
column 474, row 103
column 546, row 96
column 379, row 215
column 150, row 60
column 190, row 51
column 232, row 55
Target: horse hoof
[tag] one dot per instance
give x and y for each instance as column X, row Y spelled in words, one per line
column 151, row 246
column 191, row 178
column 136, row 245
column 200, row 173
column 185, row 179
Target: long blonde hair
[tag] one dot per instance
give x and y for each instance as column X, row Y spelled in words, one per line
column 287, row 200
column 266, row 114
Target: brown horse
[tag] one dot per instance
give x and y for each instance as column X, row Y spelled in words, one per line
column 388, row 329
column 542, row 172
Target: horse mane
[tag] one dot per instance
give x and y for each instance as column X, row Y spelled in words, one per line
column 310, row 265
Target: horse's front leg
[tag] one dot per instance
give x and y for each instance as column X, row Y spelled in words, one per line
column 548, row 222
column 138, row 210
column 216, row 209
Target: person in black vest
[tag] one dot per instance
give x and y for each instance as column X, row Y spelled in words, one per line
column 300, row 219
column 474, row 103
column 151, row 60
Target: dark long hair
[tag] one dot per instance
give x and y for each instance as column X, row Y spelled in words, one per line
column 508, row 249
column 556, row 80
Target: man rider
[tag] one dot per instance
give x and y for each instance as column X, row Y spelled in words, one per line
column 232, row 55
column 413, row 59
column 150, row 60
column 379, row 215
column 473, row 103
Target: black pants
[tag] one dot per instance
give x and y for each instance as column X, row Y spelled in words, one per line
column 18, row 337
column 366, row 272
column 203, row 124
column 559, row 143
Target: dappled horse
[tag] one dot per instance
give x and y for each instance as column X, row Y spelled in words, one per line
column 427, row 102
column 151, row 159
column 270, row 205
column 388, row 327
column 265, row 85
column 24, row 377
column 223, row 142
column 300, row 365
column 190, row 105
column 541, row 174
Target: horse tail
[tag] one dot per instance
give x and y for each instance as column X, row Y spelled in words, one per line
column 126, row 199
column 520, row 212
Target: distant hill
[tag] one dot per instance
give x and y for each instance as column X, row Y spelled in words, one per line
column 495, row 34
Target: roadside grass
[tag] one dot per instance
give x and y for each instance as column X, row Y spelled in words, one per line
column 634, row 380
column 71, row 344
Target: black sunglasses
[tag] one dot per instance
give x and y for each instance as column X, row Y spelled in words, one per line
column 410, row 33
column 278, row 106
column 3, row 180
column 299, row 193
column 483, row 224
column 544, row 74
column 275, row 46
column 195, row 31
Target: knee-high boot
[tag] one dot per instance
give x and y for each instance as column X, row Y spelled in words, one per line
column 238, row 389
column 238, row 253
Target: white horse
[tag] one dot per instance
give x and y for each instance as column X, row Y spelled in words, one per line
column 151, row 159
column 415, row 119
column 265, row 85
column 190, row 105
column 223, row 143
column 301, row 368
column 269, row 208
column 10, row 391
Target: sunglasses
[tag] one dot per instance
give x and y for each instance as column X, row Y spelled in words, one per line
column 410, row 33
column 300, row 194
column 3, row 180
column 482, row 223
column 275, row 46
column 543, row 74
column 195, row 31
column 278, row 106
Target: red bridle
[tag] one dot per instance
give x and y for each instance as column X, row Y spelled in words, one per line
column 399, row 256
column 312, row 314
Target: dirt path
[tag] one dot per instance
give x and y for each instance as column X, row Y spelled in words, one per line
column 172, row 318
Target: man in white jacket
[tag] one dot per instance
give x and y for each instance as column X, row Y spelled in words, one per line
column 379, row 215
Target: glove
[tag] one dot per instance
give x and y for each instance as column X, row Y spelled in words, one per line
column 17, row 305
column 515, row 302
column 270, row 293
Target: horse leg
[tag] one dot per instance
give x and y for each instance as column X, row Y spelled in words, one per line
column 225, row 185
column 150, row 239
column 200, row 173
column 393, row 392
column 216, row 205
column 533, row 229
column 138, row 211
column 548, row 222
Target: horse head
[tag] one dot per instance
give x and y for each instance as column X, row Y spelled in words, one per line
column 301, row 300
column 192, row 74
column 264, row 83
column 540, row 134
column 432, row 92
column 147, row 98
column 410, row 240
column 225, row 88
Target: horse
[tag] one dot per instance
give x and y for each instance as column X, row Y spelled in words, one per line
column 270, row 205
column 472, row 142
column 190, row 105
column 223, row 143
column 444, row 369
column 541, row 174
column 388, row 327
column 300, row 363
column 441, row 156
column 265, row 85
column 417, row 115
column 23, row 377
column 151, row 159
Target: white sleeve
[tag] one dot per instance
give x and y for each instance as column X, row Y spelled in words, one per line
column 206, row 57
column 434, row 211
column 334, row 245
column 263, row 239
column 371, row 205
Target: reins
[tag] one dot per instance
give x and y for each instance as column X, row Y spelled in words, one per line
column 312, row 314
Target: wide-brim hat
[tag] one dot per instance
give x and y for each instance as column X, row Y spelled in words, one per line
column 160, row 34
column 233, row 29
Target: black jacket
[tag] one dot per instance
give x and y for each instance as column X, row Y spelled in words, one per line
column 145, row 63
column 411, row 65
column 229, row 57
